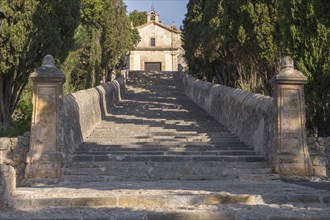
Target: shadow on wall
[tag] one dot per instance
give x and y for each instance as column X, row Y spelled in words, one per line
column 83, row 110
column 246, row 114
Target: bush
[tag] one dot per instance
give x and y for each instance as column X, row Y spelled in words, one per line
column 21, row 119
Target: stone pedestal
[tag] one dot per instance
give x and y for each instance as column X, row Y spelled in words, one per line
column 292, row 157
column 43, row 161
column 7, row 185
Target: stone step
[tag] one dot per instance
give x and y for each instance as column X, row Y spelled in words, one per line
column 147, row 164
column 128, row 199
column 177, row 128
column 200, row 145
column 149, row 134
column 162, row 139
column 190, row 148
column 168, row 172
column 123, row 171
column 178, row 139
column 248, row 199
column 167, row 158
column 150, row 177
column 115, row 213
column 157, row 152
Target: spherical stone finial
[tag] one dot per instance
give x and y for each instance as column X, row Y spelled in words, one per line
column 48, row 61
column 287, row 62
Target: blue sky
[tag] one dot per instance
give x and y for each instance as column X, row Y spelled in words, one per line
column 169, row 10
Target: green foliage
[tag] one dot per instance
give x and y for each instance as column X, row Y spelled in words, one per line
column 88, row 38
column 241, row 42
column 21, row 119
column 104, row 36
column 17, row 127
column 91, row 11
column 306, row 37
column 192, row 37
column 32, row 29
column 138, row 17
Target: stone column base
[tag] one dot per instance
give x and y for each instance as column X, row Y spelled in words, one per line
column 41, row 173
column 288, row 164
column 7, row 186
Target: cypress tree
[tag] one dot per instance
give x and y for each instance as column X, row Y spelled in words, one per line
column 32, row 29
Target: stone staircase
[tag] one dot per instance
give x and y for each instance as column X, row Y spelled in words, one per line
column 194, row 167
column 157, row 133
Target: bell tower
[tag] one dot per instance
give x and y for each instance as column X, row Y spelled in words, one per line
column 152, row 15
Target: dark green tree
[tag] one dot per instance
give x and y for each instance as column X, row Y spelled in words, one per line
column 32, row 30
column 118, row 36
column 138, row 17
column 239, row 43
column 102, row 39
column 191, row 37
column 305, row 25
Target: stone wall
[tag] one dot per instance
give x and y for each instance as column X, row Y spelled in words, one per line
column 248, row 115
column 319, row 150
column 7, row 186
column 13, row 152
column 83, row 110
column 251, row 117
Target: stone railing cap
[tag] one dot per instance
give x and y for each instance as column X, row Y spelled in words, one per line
column 287, row 62
column 48, row 71
column 287, row 74
column 48, row 61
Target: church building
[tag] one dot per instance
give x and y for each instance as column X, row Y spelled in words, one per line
column 159, row 48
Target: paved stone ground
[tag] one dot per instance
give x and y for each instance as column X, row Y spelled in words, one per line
column 172, row 128
column 176, row 199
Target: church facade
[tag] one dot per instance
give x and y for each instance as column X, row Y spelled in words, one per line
column 159, row 48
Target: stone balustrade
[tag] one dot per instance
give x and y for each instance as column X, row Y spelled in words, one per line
column 59, row 124
column 257, row 120
column 83, row 110
column 274, row 127
column 246, row 114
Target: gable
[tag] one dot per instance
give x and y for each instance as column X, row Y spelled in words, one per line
column 164, row 36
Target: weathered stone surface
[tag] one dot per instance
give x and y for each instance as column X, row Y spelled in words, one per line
column 43, row 157
column 166, row 51
column 14, row 152
column 83, row 110
column 320, row 161
column 243, row 199
column 321, row 171
column 248, row 115
column 158, row 133
column 7, row 186
column 290, row 117
column 319, row 149
column 4, row 144
column 162, row 123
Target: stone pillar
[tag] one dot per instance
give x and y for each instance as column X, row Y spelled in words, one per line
column 7, row 185
column 292, row 157
column 43, row 161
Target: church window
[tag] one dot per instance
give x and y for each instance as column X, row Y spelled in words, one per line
column 152, row 42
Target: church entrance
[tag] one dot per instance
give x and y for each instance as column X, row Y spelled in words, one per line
column 153, row 66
